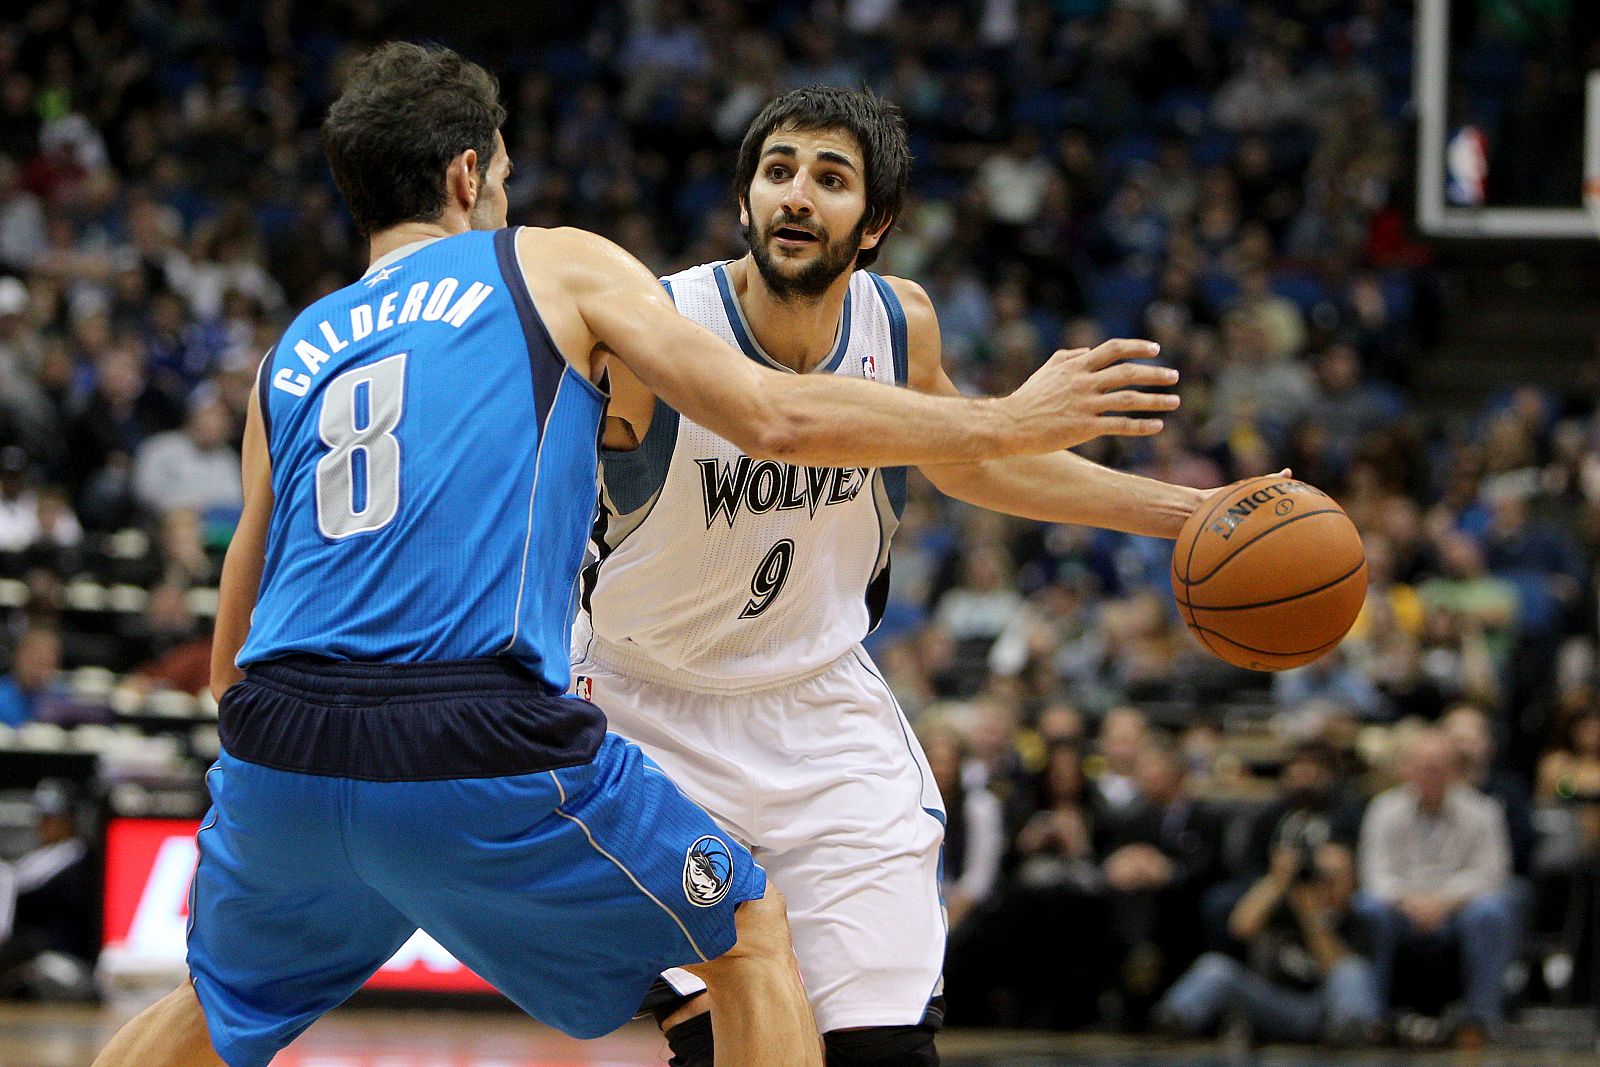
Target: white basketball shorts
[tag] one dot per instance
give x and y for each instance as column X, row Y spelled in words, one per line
column 823, row 780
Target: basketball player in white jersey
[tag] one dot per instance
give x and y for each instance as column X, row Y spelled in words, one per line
column 724, row 616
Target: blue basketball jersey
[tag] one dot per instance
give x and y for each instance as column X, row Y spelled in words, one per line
column 433, row 468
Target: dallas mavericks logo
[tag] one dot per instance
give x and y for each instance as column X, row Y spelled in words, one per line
column 869, row 366
column 707, row 872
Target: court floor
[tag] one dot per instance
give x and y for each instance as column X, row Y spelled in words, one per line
column 354, row 1036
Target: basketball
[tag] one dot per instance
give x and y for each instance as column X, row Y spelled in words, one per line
column 1269, row 573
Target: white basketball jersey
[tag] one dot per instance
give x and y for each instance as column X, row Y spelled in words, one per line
column 722, row 573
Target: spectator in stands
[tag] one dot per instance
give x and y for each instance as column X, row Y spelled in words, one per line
column 194, row 467
column 1332, row 678
column 1039, row 956
column 1256, row 392
column 171, row 650
column 1123, row 734
column 974, row 837
column 120, row 413
column 34, row 523
column 1159, row 856
column 1347, row 407
column 1060, row 724
column 182, row 559
column 1262, row 96
column 1279, row 319
column 993, row 762
column 1471, row 619
column 1313, row 807
column 49, row 906
column 30, row 416
column 1056, row 845
column 35, row 666
column 1469, row 730
column 1569, row 774
column 1310, row 976
column 976, row 611
column 19, row 505
column 1435, row 860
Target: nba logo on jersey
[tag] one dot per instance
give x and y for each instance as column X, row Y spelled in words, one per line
column 869, row 367
column 583, row 685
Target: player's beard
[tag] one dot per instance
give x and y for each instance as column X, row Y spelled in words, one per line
column 812, row 280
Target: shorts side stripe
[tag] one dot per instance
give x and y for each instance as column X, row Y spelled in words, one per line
column 939, row 817
column 194, row 880
column 619, row 865
column 905, row 731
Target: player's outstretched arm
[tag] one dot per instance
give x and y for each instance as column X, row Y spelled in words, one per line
column 241, row 567
column 819, row 419
column 1054, row 487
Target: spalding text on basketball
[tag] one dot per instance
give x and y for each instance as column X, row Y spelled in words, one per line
column 1241, row 509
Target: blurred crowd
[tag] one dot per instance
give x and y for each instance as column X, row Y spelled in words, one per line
column 1226, row 177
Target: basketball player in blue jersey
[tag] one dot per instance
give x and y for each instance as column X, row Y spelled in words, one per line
column 725, row 612
column 391, row 648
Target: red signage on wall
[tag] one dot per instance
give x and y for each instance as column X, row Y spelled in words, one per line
column 149, row 867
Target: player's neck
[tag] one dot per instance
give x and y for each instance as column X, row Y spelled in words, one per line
column 407, row 233
column 800, row 334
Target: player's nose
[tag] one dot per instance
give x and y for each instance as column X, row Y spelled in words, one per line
column 797, row 195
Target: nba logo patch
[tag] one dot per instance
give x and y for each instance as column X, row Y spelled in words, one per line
column 869, row 366
column 707, row 871
column 584, row 687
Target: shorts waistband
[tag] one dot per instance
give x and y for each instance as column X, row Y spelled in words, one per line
column 405, row 722
column 343, row 682
column 623, row 661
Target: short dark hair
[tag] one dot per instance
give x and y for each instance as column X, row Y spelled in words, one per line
column 406, row 111
column 876, row 125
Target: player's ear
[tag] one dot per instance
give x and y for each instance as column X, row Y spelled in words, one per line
column 463, row 179
column 874, row 233
column 744, row 212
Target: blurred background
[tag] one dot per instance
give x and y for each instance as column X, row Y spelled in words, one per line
column 1358, row 227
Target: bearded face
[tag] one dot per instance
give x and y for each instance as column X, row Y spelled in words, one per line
column 798, row 258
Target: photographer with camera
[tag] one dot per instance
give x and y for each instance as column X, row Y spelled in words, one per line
column 1310, row 975
column 1313, row 807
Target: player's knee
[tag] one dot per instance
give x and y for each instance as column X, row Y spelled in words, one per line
column 685, row 1009
column 882, row 1046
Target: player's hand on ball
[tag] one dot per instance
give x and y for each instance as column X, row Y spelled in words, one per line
column 1084, row 393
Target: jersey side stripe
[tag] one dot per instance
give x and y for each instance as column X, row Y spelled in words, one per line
column 263, row 384
column 897, row 328
column 547, row 372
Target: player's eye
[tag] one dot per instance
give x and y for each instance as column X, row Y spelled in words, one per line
column 778, row 174
column 833, row 181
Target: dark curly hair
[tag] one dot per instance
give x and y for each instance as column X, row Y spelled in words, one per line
column 877, row 126
column 406, row 111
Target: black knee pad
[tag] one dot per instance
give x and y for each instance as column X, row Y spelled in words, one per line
column 690, row 1042
column 882, row 1046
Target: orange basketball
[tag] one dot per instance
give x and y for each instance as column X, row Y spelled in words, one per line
column 1269, row 573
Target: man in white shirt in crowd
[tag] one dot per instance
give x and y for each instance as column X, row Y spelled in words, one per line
column 1435, row 867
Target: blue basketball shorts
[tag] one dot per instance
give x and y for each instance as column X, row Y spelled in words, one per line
column 568, row 888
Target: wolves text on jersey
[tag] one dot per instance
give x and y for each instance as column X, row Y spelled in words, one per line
column 773, row 486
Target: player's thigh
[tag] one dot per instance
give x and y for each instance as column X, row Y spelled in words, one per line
column 868, row 928
column 571, row 890
column 281, row 928
column 855, row 846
